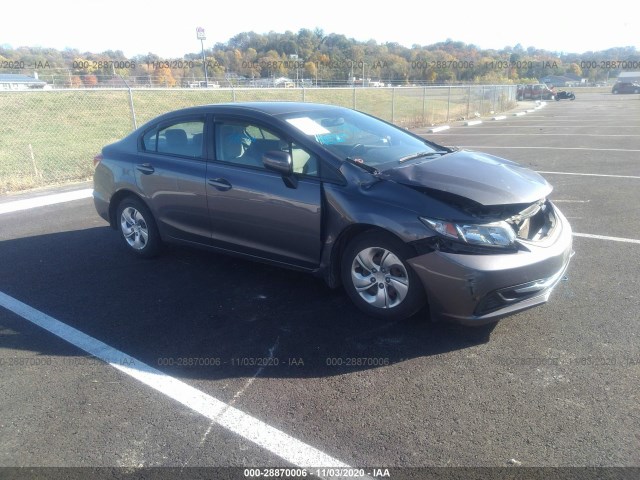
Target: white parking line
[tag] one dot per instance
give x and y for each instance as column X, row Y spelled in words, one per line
column 604, row 237
column 587, row 174
column 572, row 118
column 34, row 202
column 522, row 125
column 554, row 148
column 275, row 441
column 544, row 134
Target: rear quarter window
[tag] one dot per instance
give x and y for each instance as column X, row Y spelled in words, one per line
column 182, row 139
column 149, row 141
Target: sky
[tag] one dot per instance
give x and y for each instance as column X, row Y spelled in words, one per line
column 169, row 29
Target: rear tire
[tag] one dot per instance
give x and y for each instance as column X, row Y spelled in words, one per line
column 378, row 279
column 138, row 229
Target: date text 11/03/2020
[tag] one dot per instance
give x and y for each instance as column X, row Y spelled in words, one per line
column 271, row 362
column 329, row 65
column 342, row 472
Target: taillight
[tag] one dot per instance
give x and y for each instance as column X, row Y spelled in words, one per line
column 97, row 159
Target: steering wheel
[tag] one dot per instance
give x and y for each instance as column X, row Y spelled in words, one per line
column 357, row 148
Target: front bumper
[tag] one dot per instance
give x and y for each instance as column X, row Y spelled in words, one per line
column 479, row 289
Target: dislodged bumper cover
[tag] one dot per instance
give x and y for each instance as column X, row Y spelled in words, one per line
column 478, row 289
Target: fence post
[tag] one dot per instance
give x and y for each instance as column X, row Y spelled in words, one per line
column 448, row 103
column 393, row 104
column 133, row 110
column 233, row 94
column 354, row 95
column 304, row 96
column 482, row 102
column 469, row 102
column 493, row 102
column 424, row 104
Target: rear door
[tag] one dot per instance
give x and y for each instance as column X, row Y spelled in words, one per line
column 252, row 210
column 170, row 170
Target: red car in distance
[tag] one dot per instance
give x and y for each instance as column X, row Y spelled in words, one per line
column 535, row 92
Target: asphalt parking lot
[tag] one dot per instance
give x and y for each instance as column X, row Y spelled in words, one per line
column 555, row 386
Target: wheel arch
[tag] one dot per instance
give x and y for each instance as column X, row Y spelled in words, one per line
column 118, row 197
column 333, row 276
column 358, row 236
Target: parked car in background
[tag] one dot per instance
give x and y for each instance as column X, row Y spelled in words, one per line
column 625, row 87
column 534, row 92
column 564, row 95
column 397, row 220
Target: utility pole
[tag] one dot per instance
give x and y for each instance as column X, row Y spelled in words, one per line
column 201, row 36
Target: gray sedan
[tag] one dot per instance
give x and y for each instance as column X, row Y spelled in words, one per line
column 398, row 221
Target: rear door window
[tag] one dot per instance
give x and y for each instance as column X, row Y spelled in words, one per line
column 184, row 138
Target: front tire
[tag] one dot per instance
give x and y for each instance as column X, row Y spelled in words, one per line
column 138, row 229
column 378, row 279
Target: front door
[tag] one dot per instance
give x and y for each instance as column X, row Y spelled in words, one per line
column 252, row 210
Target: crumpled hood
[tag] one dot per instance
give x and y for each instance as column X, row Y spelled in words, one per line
column 483, row 178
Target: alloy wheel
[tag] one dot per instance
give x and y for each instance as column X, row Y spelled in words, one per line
column 134, row 228
column 379, row 277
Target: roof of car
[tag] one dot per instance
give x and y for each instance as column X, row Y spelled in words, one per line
column 270, row 108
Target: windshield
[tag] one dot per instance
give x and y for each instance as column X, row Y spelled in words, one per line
column 361, row 138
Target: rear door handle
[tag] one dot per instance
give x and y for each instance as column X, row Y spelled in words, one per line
column 145, row 168
column 221, row 184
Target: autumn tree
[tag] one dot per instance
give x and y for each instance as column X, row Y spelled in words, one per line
column 75, row 81
column 163, row 77
column 83, row 66
column 311, row 70
column 575, row 69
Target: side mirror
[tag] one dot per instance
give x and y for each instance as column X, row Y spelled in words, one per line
column 280, row 162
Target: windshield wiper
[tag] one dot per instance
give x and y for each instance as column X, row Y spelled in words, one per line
column 363, row 166
column 413, row 156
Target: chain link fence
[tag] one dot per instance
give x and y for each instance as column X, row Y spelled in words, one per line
column 50, row 137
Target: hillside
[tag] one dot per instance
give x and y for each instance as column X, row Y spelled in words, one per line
column 313, row 58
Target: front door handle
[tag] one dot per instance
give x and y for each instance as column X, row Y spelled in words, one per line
column 221, row 184
column 145, row 168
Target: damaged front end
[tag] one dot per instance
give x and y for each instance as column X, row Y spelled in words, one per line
column 535, row 223
column 484, row 229
column 530, row 222
column 498, row 260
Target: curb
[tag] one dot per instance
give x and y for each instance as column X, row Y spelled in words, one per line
column 439, row 129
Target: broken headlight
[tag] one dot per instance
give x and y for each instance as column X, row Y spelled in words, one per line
column 495, row 234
